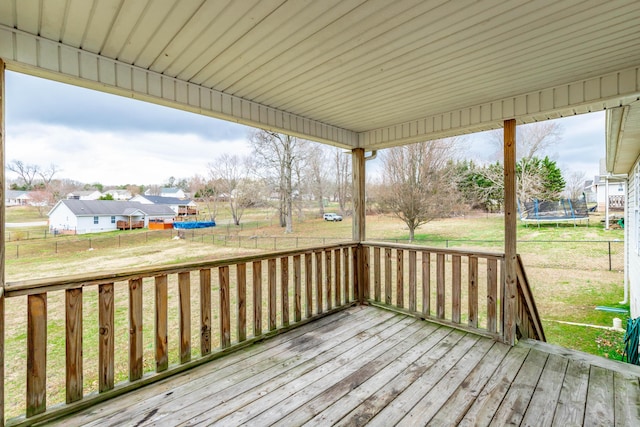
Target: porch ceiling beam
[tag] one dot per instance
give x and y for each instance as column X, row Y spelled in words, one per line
column 583, row 96
column 29, row 54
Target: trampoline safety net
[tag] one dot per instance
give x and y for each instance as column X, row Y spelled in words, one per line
column 554, row 211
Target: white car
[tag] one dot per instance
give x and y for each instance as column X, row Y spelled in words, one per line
column 332, row 217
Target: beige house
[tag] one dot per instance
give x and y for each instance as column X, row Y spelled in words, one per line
column 357, row 332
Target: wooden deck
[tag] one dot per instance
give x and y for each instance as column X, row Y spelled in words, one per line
column 367, row 365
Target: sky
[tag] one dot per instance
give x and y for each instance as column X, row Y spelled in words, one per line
column 96, row 137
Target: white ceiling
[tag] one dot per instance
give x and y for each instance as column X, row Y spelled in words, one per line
column 368, row 73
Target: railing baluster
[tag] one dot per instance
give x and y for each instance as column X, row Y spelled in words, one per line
column 347, row 278
column 377, row 291
column 473, row 291
column 412, row 280
column 308, row 277
column 297, row 291
column 328, row 278
column 205, row 311
column 241, row 272
column 426, row 283
column 257, row 298
column 339, row 279
column 135, row 329
column 225, row 307
column 272, row 304
column 440, row 297
column 73, row 344
column 456, row 285
column 366, row 279
column 161, row 323
column 184, row 294
column 400, row 278
column 284, row 289
column 106, row 338
column 492, row 294
column 387, row 276
column 36, row 354
column 319, row 291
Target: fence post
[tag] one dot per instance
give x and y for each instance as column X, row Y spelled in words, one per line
column 609, row 254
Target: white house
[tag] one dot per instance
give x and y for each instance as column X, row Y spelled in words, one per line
column 166, row 192
column 623, row 151
column 119, row 194
column 84, row 195
column 608, row 189
column 179, row 206
column 16, row 198
column 95, row 216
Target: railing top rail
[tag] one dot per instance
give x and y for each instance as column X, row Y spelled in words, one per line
column 37, row 286
column 448, row 251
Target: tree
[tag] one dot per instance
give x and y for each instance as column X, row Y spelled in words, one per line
column 277, row 156
column 106, row 197
column 532, row 140
column 232, row 173
column 26, row 172
column 343, row 184
column 418, row 182
column 574, row 189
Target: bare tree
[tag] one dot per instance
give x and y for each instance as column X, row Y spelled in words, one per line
column 574, row 188
column 207, row 191
column 418, row 184
column 317, row 174
column 48, row 173
column 276, row 156
column 27, row 172
column 533, row 139
column 343, row 184
column 232, row 172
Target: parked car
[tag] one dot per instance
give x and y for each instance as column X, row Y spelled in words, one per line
column 332, row 217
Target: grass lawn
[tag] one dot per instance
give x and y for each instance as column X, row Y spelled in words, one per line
column 568, row 280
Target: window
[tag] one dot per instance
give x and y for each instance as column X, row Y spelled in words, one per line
column 113, row 220
column 96, row 220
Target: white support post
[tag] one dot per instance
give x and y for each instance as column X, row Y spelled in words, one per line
column 2, row 236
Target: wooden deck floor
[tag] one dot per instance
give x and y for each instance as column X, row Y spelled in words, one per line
column 371, row 366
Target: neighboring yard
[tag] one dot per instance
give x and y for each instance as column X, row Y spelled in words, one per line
column 569, row 279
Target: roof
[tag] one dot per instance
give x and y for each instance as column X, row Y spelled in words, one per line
column 16, row 194
column 161, row 200
column 352, row 73
column 170, row 190
column 113, row 207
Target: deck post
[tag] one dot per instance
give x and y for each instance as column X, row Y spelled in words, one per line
column 358, row 226
column 2, row 236
column 510, row 226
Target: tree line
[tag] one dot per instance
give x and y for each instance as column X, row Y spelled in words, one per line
column 417, row 183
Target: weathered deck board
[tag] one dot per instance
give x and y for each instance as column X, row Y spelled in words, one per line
column 366, row 365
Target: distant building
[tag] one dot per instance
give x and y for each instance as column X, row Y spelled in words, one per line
column 180, row 207
column 167, row 192
column 95, row 216
column 84, row 195
column 16, row 198
column 119, row 194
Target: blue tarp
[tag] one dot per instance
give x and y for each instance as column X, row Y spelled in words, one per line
column 193, row 224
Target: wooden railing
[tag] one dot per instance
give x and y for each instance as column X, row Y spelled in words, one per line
column 217, row 306
column 251, row 297
column 459, row 288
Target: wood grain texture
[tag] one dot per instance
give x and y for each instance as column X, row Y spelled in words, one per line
column 456, row 288
column 272, row 303
column 348, row 279
column 366, row 272
column 339, row 278
column 377, row 284
column 241, row 273
column 387, row 276
column 320, row 295
column 106, row 332
column 36, row 354
column 73, row 345
column 184, row 304
column 284, row 290
column 308, row 284
column 161, row 323
column 297, row 288
column 257, row 298
column 473, row 292
column 399, row 278
column 413, row 280
column 426, row 283
column 135, row 330
column 328, row 285
column 510, row 232
column 2, row 245
column 440, row 286
column 492, row 295
column 225, row 307
column 205, row 311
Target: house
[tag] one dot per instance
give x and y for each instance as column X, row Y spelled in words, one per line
column 608, row 187
column 119, row 194
column 16, row 198
column 84, row 195
column 177, row 193
column 95, row 216
column 181, row 207
column 623, row 162
column 361, row 76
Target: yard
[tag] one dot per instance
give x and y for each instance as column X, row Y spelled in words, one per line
column 569, row 279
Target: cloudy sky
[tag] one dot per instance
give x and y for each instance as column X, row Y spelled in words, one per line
column 97, row 137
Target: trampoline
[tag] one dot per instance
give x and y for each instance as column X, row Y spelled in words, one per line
column 563, row 210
